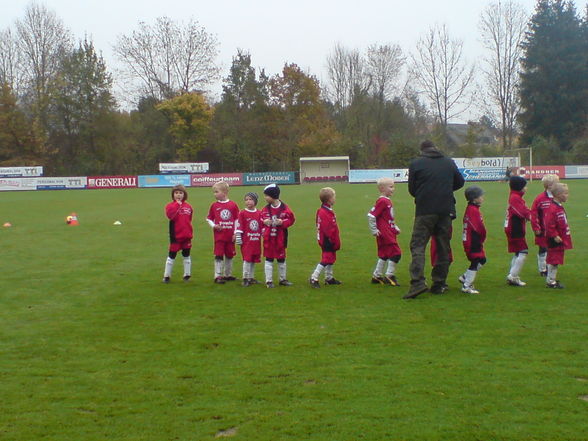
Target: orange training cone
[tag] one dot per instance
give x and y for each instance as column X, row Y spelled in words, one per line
column 72, row 219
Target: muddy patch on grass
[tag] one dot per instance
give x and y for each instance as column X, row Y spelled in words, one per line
column 227, row 433
column 582, row 379
column 583, row 397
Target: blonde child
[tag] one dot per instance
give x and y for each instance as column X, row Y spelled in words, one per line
column 328, row 238
column 538, row 210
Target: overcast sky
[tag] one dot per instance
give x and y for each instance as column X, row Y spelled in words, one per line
column 274, row 32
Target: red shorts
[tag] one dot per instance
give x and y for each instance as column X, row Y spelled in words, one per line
column 516, row 245
column 273, row 251
column 388, row 251
column 222, row 248
column 251, row 251
column 329, row 257
column 555, row 256
column 541, row 241
column 174, row 247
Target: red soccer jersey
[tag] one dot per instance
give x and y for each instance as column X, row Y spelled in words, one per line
column 180, row 221
column 275, row 237
column 327, row 229
column 249, row 225
column 383, row 211
column 517, row 215
column 556, row 224
column 225, row 214
column 538, row 209
column 474, row 232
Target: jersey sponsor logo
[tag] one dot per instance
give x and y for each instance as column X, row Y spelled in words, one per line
column 225, row 214
column 254, row 225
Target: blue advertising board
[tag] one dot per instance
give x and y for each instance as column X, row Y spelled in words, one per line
column 266, row 178
column 483, row 174
column 364, row 176
column 164, row 180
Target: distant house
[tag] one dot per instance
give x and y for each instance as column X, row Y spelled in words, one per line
column 457, row 134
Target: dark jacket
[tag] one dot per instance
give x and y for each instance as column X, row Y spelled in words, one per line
column 432, row 179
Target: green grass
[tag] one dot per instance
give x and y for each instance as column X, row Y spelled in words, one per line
column 93, row 346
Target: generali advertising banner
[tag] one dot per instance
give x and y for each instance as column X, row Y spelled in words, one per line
column 112, row 181
column 209, row 179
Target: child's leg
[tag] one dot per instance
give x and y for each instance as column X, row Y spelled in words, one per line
column 391, row 270
column 282, row 269
column 517, row 264
column 379, row 270
column 218, row 267
column 169, row 265
column 269, row 270
column 541, row 259
column 317, row 272
column 551, row 273
column 187, row 263
column 228, row 266
column 471, row 273
column 251, row 270
column 246, row 270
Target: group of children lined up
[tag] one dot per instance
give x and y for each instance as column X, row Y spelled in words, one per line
column 251, row 227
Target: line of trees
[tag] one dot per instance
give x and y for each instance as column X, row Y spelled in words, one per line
column 58, row 106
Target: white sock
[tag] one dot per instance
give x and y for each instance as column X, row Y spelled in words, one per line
column 469, row 276
column 245, row 270
column 328, row 272
column 169, row 266
column 269, row 271
column 551, row 273
column 228, row 266
column 379, row 270
column 541, row 262
column 391, row 268
column 282, row 270
column 518, row 265
column 218, row 268
column 187, row 266
column 251, row 270
column 317, row 272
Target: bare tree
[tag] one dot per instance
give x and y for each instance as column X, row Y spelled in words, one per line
column 42, row 42
column 168, row 58
column 10, row 61
column 502, row 25
column 442, row 73
column 348, row 75
column 384, row 64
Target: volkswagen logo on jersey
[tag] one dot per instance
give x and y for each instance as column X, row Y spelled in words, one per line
column 225, row 214
column 254, row 225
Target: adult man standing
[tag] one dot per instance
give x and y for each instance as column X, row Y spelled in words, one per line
column 432, row 179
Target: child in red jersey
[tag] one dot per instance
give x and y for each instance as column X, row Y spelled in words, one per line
column 538, row 209
column 277, row 218
column 248, row 235
column 382, row 226
column 179, row 212
column 517, row 215
column 557, row 231
column 328, row 238
column 474, row 235
column 222, row 217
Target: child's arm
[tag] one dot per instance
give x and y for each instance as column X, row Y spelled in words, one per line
column 210, row 219
column 288, row 220
column 172, row 210
column 372, row 224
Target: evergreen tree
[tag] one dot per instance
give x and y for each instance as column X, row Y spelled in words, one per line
column 554, row 81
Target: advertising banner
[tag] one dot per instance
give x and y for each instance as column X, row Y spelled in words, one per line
column 65, row 183
column 13, row 172
column 208, row 179
column 112, row 182
column 364, row 176
column 164, row 180
column 483, row 174
column 266, row 178
column 185, row 167
column 493, row 162
column 576, row 171
column 9, row 184
column 538, row 171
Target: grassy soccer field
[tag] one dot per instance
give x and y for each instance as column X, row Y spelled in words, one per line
column 93, row 346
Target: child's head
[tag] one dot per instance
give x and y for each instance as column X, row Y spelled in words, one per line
column 179, row 193
column 549, row 181
column 250, row 200
column 271, row 193
column 220, row 190
column 560, row 192
column 327, row 196
column 517, row 183
column 385, row 186
column 474, row 195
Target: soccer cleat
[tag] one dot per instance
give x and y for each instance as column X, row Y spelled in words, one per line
column 470, row 290
column 439, row 288
column 229, row 278
column 514, row 281
column 219, row 280
column 392, row 280
column 314, row 283
column 461, row 279
column 246, row 282
column 332, row 281
column 285, row 283
column 555, row 285
column 186, row 278
column 253, row 281
column 378, row 280
column 543, row 273
column 270, row 284
column 166, row 280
